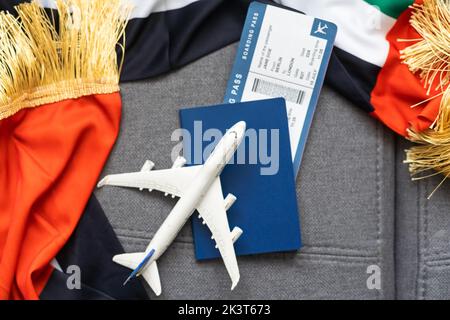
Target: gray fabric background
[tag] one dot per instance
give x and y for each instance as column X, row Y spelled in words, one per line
column 346, row 193
column 422, row 235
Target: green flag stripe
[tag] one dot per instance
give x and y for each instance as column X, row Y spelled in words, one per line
column 391, row 8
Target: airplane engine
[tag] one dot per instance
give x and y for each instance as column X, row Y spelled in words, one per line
column 236, row 233
column 179, row 162
column 147, row 167
column 229, row 200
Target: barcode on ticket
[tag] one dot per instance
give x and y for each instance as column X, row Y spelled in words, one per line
column 276, row 90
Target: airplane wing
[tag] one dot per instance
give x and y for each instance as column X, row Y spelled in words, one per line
column 171, row 181
column 212, row 211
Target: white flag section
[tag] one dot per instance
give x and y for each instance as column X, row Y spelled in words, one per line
column 362, row 27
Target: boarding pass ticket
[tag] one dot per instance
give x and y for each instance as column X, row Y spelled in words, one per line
column 283, row 53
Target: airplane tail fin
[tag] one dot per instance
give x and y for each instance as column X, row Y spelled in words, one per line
column 149, row 273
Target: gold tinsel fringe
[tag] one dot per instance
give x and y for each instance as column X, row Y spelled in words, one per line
column 41, row 63
column 430, row 59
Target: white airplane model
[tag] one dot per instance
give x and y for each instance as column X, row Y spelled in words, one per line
column 199, row 188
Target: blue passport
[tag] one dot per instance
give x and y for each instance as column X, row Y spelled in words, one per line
column 260, row 175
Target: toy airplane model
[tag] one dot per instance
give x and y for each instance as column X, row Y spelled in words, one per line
column 199, row 188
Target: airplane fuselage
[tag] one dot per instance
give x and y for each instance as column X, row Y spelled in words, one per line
column 196, row 191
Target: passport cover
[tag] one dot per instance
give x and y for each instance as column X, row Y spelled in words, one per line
column 266, row 206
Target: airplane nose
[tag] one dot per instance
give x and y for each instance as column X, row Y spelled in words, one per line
column 240, row 128
column 237, row 132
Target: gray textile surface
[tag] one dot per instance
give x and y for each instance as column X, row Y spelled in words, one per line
column 422, row 235
column 345, row 192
